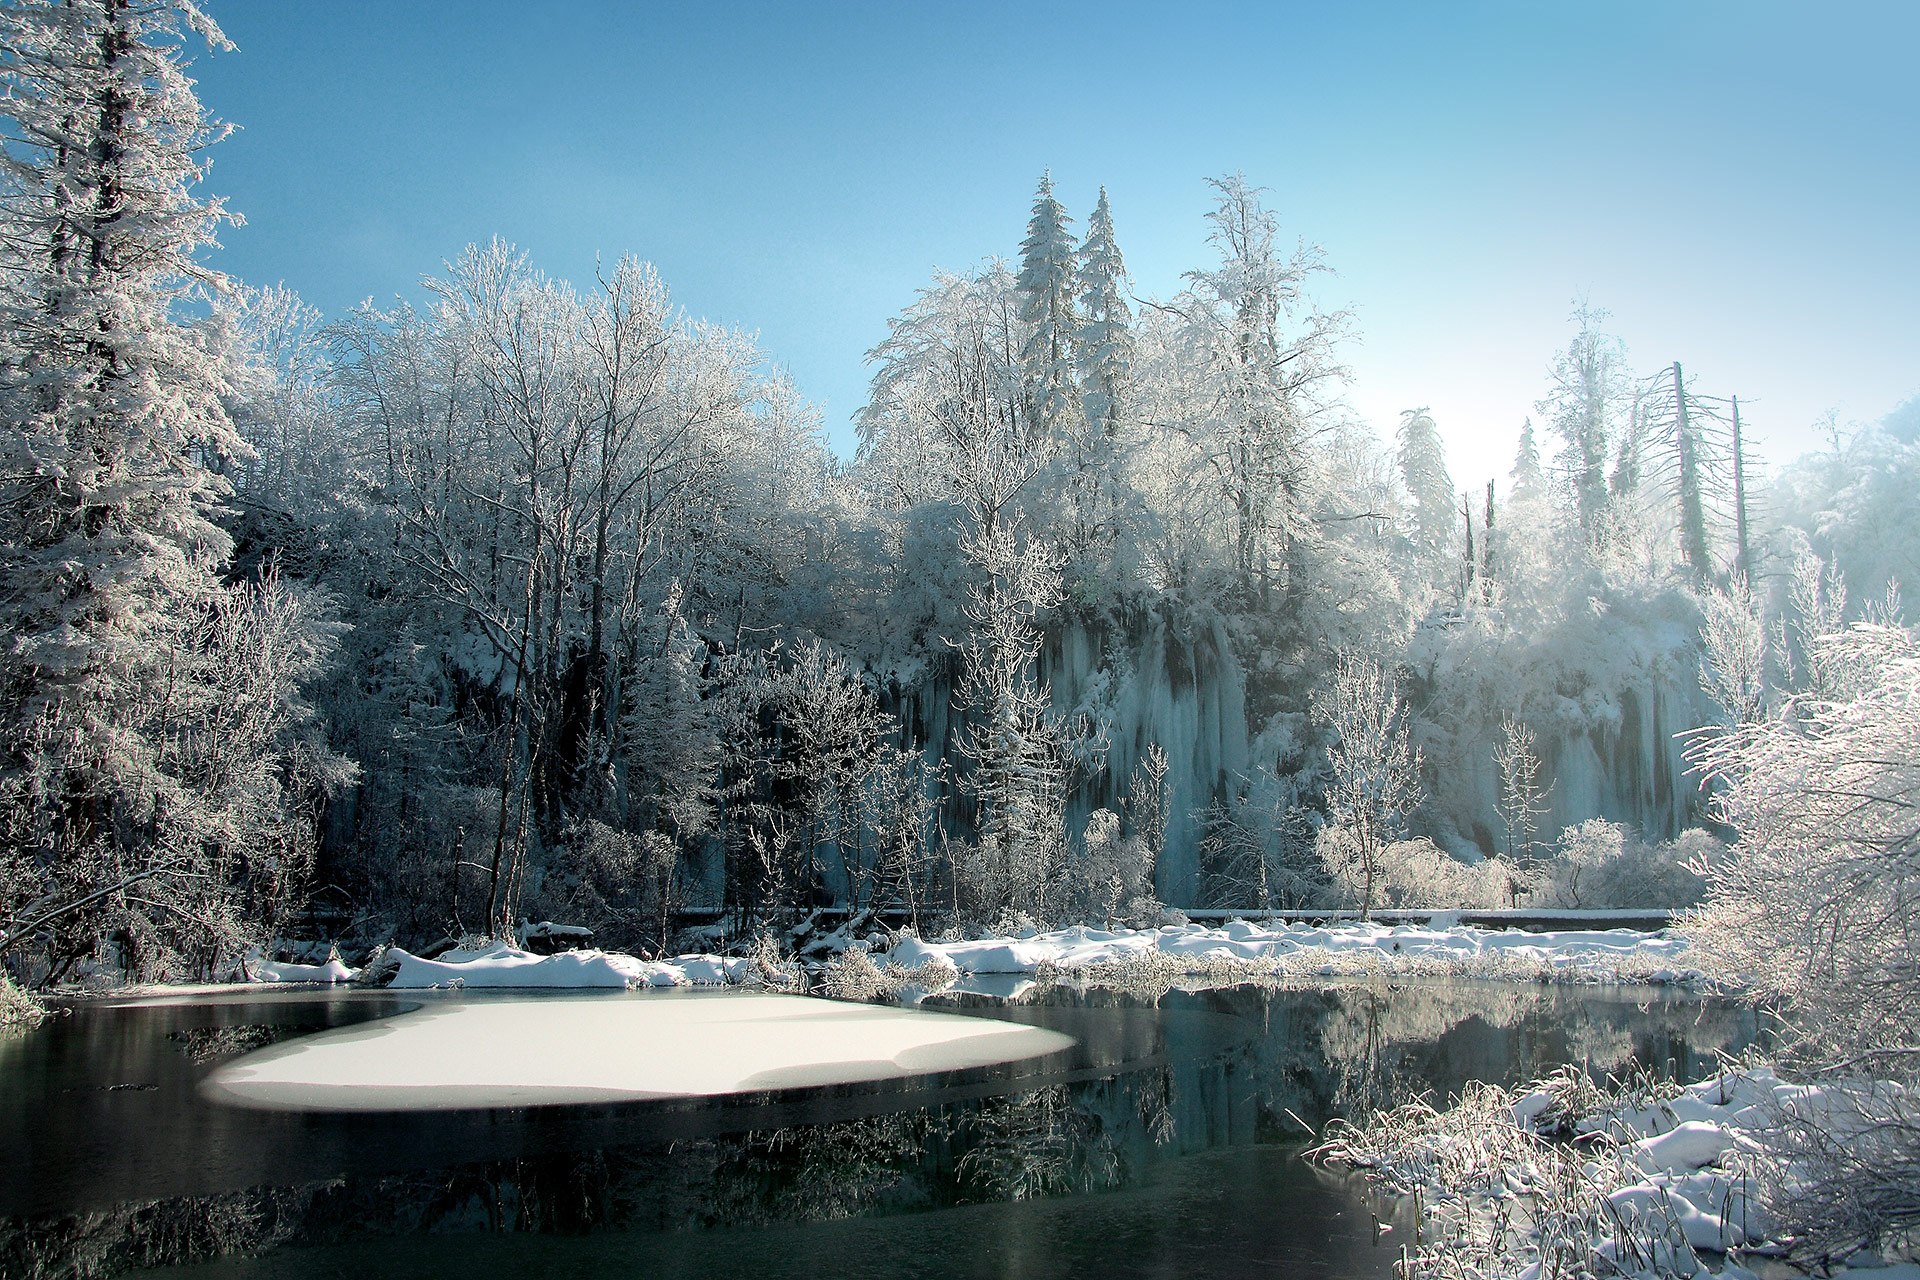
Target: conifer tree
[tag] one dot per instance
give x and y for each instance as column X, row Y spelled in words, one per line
column 143, row 704
column 1422, row 460
column 1589, row 388
column 1106, row 325
column 1046, row 285
column 1528, row 477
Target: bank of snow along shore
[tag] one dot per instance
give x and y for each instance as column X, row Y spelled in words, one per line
column 1731, row 1177
column 880, row 963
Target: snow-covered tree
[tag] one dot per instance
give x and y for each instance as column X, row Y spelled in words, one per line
column 1375, row 784
column 1422, row 460
column 128, row 659
column 1020, row 751
column 1248, row 362
column 1049, row 355
column 1529, row 477
column 1816, row 904
column 1105, row 341
column 1584, row 407
column 1522, row 800
column 1854, row 502
column 118, row 408
column 947, row 419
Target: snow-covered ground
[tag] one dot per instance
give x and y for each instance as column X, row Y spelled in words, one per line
column 1543, row 1182
column 1309, row 949
column 502, row 965
column 497, row 965
column 526, row 1052
column 1236, row 948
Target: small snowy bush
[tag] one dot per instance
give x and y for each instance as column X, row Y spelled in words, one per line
column 1603, row 864
column 17, row 1008
column 1416, row 873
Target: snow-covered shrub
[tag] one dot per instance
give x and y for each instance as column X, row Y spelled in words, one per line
column 1603, row 864
column 17, row 1008
column 1816, row 904
column 1261, row 855
column 1108, row 879
column 1504, row 1192
column 624, row 885
column 772, row 968
column 1415, row 873
column 852, row 975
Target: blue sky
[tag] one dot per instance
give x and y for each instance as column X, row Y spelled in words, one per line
column 1736, row 183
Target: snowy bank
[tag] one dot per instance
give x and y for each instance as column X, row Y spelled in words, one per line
column 1563, row 1178
column 279, row 971
column 1302, row 949
column 1237, row 949
column 544, row 1051
column 501, row 964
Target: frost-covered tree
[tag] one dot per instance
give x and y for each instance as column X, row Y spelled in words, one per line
column 1735, row 666
column 1259, row 853
column 1589, row 392
column 947, row 419
column 1020, row 752
column 903, row 797
column 1049, row 355
column 1108, row 877
column 113, row 407
column 581, row 492
column 1529, row 477
column 1816, row 904
column 1246, row 365
column 1422, row 460
column 129, row 660
column 1854, row 502
column 1523, row 796
column 1105, row 340
column 1375, row 784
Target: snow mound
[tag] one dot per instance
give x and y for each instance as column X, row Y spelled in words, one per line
column 501, row 965
column 1691, row 1144
column 274, row 971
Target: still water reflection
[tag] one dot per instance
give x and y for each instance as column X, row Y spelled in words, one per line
column 1164, row 1143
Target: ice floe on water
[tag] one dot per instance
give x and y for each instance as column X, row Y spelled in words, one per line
column 541, row 1051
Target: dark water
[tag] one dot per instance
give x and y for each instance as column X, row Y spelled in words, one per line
column 1165, row 1144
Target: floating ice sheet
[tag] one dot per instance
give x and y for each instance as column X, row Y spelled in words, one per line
column 535, row 1051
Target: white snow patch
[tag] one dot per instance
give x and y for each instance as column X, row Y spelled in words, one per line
column 528, row 1052
column 274, row 971
column 502, row 965
column 1691, row 1144
column 1081, row 947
